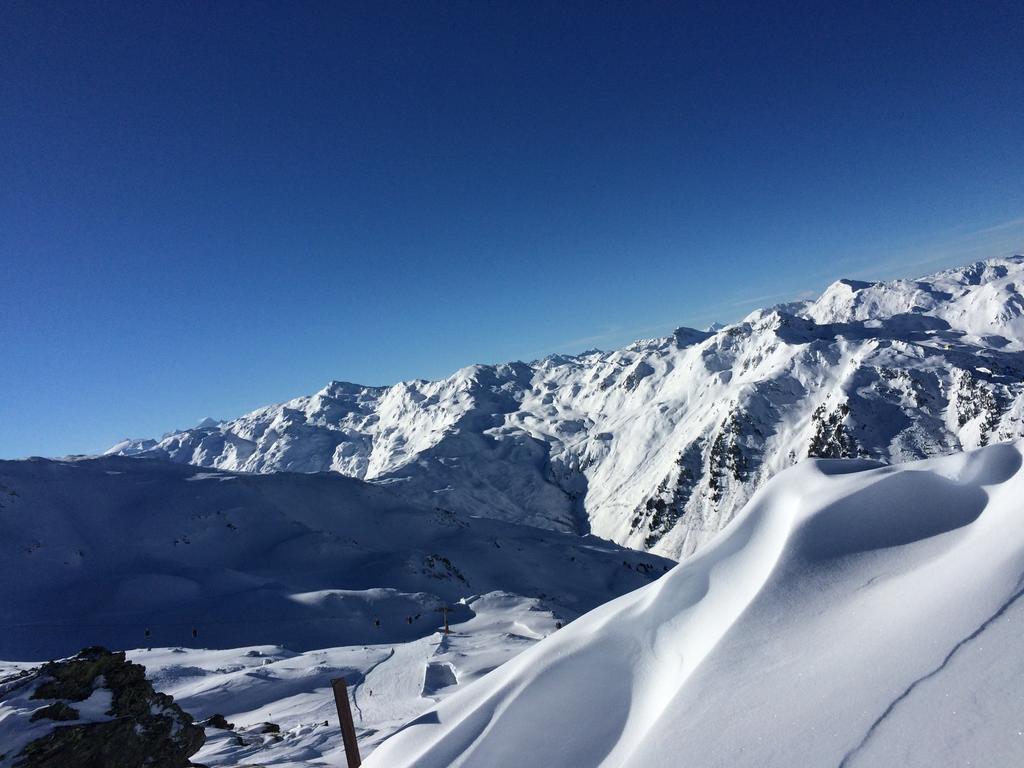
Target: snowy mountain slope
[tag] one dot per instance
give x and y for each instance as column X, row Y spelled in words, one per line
column 659, row 444
column 100, row 550
column 852, row 614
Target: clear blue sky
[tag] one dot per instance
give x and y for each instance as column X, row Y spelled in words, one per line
column 207, row 207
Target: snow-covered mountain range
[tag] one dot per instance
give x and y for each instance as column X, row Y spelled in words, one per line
column 658, row 445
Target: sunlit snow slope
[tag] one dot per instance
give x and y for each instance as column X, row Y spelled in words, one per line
column 659, row 444
column 850, row 615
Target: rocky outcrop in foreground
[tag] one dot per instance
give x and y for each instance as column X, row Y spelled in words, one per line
column 90, row 711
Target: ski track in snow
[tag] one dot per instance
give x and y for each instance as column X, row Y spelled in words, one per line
column 366, row 676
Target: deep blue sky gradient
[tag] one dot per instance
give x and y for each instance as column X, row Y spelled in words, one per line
column 207, row 207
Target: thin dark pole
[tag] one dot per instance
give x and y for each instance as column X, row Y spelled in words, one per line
column 348, row 727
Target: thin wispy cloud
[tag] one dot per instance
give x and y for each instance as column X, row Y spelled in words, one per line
column 769, row 297
column 945, row 249
column 1012, row 224
column 938, row 250
column 615, row 334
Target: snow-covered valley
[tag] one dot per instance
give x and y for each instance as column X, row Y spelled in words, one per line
column 302, row 561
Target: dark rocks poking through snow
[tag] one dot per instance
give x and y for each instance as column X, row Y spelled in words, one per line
column 831, row 439
column 140, row 726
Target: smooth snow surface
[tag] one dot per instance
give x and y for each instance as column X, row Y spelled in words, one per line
column 851, row 615
column 658, row 445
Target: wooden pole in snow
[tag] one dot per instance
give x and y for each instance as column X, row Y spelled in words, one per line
column 444, row 611
column 348, row 727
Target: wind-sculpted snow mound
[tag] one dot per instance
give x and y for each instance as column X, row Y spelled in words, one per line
column 852, row 614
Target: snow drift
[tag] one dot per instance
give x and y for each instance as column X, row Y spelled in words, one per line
column 852, row 614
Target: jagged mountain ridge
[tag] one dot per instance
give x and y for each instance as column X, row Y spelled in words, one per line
column 657, row 445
